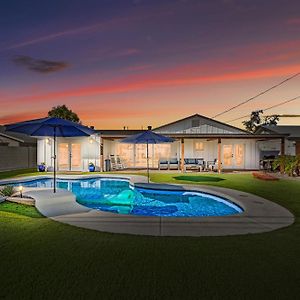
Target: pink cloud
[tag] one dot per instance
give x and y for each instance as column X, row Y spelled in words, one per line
column 155, row 80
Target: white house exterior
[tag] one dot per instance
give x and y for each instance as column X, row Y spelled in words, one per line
column 73, row 154
column 195, row 137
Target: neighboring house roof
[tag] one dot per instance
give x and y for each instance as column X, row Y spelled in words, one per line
column 19, row 137
column 293, row 131
column 117, row 132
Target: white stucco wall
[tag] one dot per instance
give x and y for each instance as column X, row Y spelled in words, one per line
column 90, row 151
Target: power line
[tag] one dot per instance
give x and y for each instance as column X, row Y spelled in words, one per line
column 256, row 96
column 268, row 108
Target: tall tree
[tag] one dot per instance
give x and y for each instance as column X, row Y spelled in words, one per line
column 63, row 112
column 271, row 120
column 256, row 120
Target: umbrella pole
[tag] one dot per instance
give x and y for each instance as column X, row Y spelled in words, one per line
column 54, row 159
column 148, row 175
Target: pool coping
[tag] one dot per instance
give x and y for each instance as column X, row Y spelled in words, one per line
column 259, row 215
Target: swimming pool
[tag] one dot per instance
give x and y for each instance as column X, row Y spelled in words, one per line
column 119, row 196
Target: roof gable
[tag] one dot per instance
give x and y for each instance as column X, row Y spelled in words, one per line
column 199, row 124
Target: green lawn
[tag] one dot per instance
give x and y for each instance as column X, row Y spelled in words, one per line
column 42, row 259
column 17, row 173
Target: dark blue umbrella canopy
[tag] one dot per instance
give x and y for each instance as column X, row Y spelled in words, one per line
column 50, row 127
column 147, row 137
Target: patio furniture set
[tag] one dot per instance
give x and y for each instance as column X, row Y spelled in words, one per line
column 190, row 164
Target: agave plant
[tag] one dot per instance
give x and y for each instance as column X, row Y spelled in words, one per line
column 7, row 191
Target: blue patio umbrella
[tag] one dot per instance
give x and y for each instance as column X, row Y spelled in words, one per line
column 54, row 127
column 147, row 137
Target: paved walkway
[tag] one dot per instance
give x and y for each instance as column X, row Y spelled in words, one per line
column 260, row 215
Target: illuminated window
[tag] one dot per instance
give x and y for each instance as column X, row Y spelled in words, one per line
column 198, row 146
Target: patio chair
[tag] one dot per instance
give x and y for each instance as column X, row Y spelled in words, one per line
column 163, row 164
column 119, row 164
column 173, row 164
column 113, row 163
column 212, row 165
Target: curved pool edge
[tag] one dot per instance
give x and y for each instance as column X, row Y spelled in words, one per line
column 260, row 215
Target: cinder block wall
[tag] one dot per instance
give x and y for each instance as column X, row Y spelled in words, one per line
column 13, row 158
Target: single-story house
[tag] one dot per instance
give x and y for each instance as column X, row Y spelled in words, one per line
column 196, row 136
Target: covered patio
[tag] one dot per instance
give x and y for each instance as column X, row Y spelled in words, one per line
column 223, row 152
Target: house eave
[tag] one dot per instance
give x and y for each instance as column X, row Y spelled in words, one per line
column 205, row 136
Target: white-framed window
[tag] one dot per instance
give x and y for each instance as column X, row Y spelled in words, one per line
column 198, row 146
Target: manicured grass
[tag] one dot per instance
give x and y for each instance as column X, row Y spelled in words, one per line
column 199, row 178
column 16, row 173
column 43, row 259
column 20, row 209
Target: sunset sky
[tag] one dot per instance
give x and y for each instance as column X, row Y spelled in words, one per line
column 147, row 62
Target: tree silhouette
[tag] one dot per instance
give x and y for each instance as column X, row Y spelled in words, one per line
column 256, row 120
column 63, row 112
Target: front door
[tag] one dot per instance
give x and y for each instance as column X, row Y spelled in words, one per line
column 234, row 156
column 69, row 156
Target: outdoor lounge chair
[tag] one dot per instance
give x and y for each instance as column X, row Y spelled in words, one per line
column 174, row 164
column 163, row 164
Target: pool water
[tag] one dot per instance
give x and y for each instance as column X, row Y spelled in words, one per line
column 119, row 196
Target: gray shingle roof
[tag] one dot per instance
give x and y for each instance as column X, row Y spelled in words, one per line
column 292, row 130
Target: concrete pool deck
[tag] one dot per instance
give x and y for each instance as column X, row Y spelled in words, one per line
column 260, row 215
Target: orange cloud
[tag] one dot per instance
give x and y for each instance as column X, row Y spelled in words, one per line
column 164, row 79
column 18, row 117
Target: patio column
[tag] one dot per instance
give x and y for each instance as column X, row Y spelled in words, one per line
column 282, row 152
column 282, row 149
column 219, row 155
column 101, row 155
column 182, row 155
column 297, row 147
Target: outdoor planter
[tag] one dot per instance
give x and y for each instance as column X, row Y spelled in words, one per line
column 42, row 168
column 91, row 167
